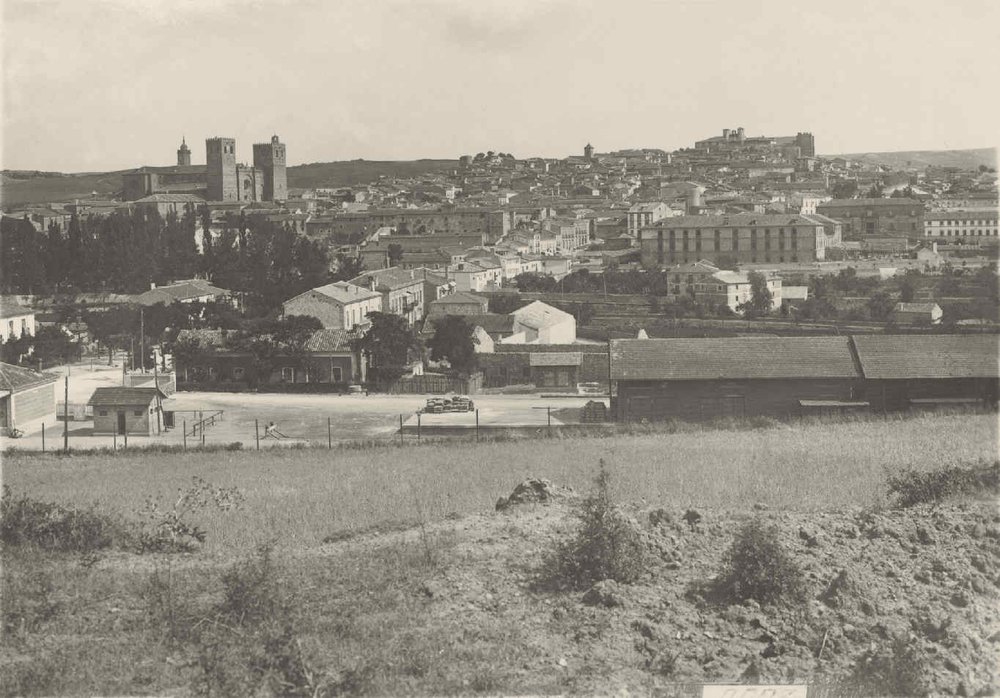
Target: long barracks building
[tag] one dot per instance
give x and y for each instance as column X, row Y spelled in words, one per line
column 742, row 238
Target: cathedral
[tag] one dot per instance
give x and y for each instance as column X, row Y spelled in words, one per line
column 220, row 179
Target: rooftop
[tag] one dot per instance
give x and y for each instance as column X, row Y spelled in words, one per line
column 342, row 292
column 16, row 378
column 732, row 358
column 740, row 220
column 391, row 278
column 891, row 356
column 120, row 395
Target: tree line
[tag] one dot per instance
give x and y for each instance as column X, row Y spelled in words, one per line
column 126, row 251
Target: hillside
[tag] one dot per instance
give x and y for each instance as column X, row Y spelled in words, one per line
column 27, row 187
column 965, row 159
column 389, row 571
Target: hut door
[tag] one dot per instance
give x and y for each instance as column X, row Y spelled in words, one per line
column 121, row 422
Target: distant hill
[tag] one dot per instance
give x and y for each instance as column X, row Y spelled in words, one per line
column 18, row 187
column 966, row 159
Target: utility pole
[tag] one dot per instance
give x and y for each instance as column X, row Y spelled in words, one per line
column 142, row 340
column 66, row 416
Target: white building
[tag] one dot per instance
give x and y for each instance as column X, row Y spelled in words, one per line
column 540, row 323
column 961, row 225
column 16, row 321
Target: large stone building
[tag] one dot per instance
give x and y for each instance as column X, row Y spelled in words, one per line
column 737, row 238
column 864, row 218
column 802, row 144
column 222, row 178
column 965, row 226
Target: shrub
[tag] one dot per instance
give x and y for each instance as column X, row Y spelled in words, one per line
column 250, row 642
column 896, row 670
column 913, row 487
column 758, row 567
column 607, row 545
column 167, row 529
column 28, row 522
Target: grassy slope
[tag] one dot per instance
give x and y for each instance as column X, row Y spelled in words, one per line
column 299, row 497
column 16, row 192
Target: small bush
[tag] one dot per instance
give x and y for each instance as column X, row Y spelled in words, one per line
column 28, row 522
column 896, row 670
column 607, row 546
column 912, row 487
column 167, row 528
column 757, row 567
column 250, row 641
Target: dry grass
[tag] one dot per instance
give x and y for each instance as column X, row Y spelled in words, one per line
column 299, row 497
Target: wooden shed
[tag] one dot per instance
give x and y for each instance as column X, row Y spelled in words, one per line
column 123, row 410
column 691, row 379
column 27, row 398
column 919, row 371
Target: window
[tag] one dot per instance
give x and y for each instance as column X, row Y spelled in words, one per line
column 287, row 373
column 238, row 372
column 137, row 413
column 337, row 374
column 103, row 413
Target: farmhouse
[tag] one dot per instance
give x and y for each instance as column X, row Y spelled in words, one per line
column 540, row 323
column 16, row 321
column 27, row 398
column 917, row 314
column 903, row 371
column 132, row 411
column 459, row 303
column 655, row 379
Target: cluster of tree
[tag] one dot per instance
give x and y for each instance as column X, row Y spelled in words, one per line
column 489, row 155
column 582, row 281
column 844, row 189
column 125, row 251
column 50, row 346
column 904, row 193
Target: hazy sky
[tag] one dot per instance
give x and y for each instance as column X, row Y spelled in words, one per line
column 112, row 84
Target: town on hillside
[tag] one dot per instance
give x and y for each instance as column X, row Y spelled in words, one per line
column 507, row 274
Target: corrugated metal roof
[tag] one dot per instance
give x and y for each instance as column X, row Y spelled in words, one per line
column 107, row 397
column 732, row 358
column 893, row 356
column 555, row 358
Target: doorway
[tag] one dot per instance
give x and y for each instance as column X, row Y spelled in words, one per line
column 121, row 422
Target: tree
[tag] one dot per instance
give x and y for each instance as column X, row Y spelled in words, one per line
column 389, row 344
column 395, row 251
column 875, row 192
column 52, row 346
column 760, row 297
column 907, row 289
column 880, row 306
column 347, row 267
column 845, row 189
column 454, row 342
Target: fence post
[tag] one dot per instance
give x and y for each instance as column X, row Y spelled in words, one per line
column 329, row 433
column 548, row 417
column 418, row 426
column 256, row 432
column 114, row 438
column 400, row 430
column 126, row 436
column 43, row 437
column 65, row 415
column 203, row 435
column 184, row 431
column 477, row 425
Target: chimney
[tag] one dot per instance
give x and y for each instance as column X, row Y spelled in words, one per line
column 371, row 282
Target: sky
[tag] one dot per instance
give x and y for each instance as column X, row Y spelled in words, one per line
column 114, row 84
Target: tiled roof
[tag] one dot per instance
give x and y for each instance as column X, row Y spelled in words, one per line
column 460, row 297
column 183, row 290
column 890, row 356
column 555, row 358
column 741, row 220
column 917, row 307
column 16, row 378
column 109, row 397
column 493, row 323
column 840, row 203
column 732, row 358
column 391, row 278
column 537, row 315
column 344, row 292
column 14, row 310
column 170, row 199
column 330, row 340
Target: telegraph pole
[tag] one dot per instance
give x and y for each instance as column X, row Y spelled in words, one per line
column 66, row 416
column 142, row 340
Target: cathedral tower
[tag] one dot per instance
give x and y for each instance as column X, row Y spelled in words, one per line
column 183, row 153
column 220, row 171
column 270, row 158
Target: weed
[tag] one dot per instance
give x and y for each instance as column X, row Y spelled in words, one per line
column 27, row 522
column 913, row 487
column 168, row 529
column 29, row 601
column 607, row 545
column 758, row 567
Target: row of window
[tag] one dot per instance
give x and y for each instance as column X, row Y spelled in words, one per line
column 674, row 258
column 135, row 413
column 964, row 233
column 987, row 221
column 287, row 374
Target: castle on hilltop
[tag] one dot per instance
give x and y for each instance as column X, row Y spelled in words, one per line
column 220, row 179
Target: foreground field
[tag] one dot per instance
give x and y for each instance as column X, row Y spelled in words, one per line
column 390, row 573
column 298, row 497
